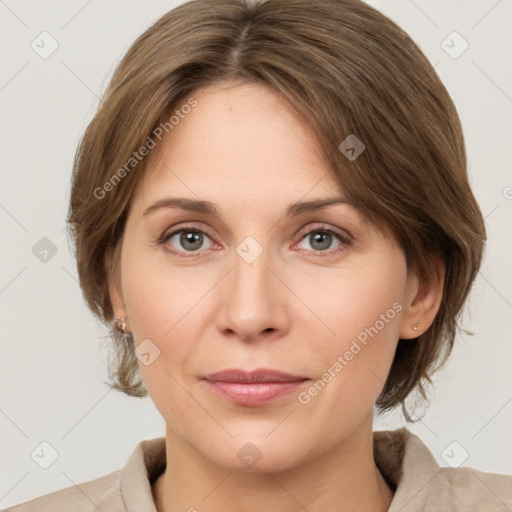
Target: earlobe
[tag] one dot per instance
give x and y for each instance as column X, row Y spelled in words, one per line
column 424, row 298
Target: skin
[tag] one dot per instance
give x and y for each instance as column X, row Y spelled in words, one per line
column 296, row 308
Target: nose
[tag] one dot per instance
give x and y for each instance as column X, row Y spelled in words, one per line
column 255, row 304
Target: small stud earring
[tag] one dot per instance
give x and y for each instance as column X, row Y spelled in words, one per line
column 415, row 327
column 121, row 327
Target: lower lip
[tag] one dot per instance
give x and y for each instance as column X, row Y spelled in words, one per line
column 256, row 393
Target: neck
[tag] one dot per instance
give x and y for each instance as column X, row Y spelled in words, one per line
column 343, row 479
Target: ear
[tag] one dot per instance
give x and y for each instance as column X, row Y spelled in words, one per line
column 113, row 268
column 423, row 300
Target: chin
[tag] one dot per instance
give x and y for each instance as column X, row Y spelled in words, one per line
column 258, row 456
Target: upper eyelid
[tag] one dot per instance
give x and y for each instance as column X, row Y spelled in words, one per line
column 326, row 227
column 174, row 231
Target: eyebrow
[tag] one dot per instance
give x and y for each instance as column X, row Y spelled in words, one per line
column 206, row 207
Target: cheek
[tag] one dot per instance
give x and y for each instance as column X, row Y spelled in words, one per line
column 360, row 309
column 160, row 305
column 166, row 305
column 354, row 299
column 157, row 294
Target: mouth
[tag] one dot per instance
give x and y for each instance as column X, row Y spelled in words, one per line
column 253, row 388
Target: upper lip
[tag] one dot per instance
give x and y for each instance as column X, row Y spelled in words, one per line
column 258, row 375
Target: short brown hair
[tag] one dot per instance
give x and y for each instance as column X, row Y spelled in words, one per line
column 345, row 69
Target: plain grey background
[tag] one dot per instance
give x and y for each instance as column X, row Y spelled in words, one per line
column 52, row 355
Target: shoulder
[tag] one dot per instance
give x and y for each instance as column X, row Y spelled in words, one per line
column 468, row 489
column 421, row 484
column 102, row 493
column 120, row 491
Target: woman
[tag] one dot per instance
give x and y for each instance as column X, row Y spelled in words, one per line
column 271, row 209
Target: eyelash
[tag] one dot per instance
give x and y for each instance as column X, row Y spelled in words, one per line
column 345, row 242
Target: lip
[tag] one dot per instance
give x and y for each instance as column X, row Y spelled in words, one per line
column 251, row 376
column 253, row 388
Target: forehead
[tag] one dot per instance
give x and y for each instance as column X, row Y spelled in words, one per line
column 241, row 142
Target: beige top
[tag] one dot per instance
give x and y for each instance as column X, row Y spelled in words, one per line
column 420, row 484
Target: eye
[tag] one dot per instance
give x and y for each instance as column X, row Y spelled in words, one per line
column 187, row 240
column 322, row 239
column 191, row 240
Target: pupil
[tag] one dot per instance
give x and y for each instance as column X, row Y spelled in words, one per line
column 324, row 240
column 191, row 237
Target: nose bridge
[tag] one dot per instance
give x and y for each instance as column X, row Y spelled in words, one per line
column 251, row 275
column 252, row 303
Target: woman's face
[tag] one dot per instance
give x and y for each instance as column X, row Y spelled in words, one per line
column 317, row 293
